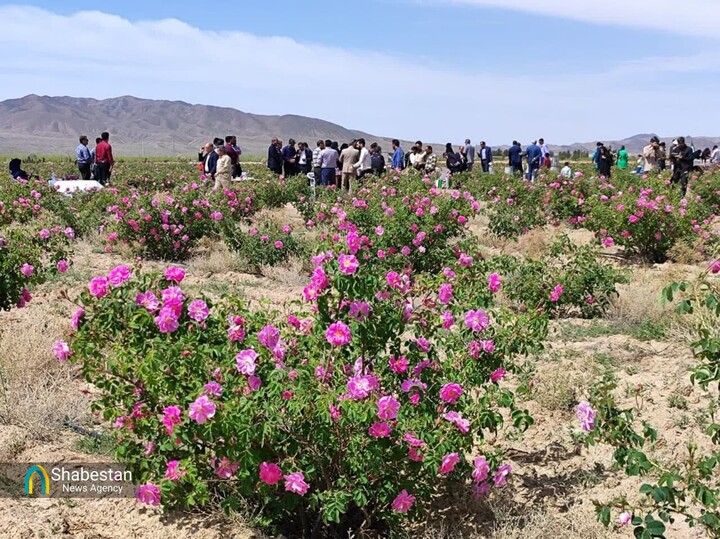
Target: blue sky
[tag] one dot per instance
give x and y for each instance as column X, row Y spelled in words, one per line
column 432, row 69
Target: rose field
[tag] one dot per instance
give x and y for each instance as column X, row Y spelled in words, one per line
column 498, row 358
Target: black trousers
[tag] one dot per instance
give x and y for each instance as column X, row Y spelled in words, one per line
column 102, row 173
column 237, row 170
column 84, row 170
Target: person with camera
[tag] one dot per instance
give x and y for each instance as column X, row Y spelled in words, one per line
column 683, row 158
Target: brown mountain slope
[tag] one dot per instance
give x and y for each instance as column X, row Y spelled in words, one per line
column 51, row 125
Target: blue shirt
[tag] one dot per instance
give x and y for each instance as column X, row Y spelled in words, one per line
column 398, row 159
column 83, row 155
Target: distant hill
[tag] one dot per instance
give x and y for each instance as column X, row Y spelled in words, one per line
column 51, row 125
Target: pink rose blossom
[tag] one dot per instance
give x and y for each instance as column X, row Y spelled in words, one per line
column 481, row 469
column 500, row 477
column 198, row 310
column 202, row 409
column 556, row 293
column 360, row 386
column 226, row 468
column 119, row 275
column 477, row 321
column 27, row 270
column 61, row 350
column 338, row 334
column 494, row 283
column 448, row 463
column 171, row 417
column 75, row 322
column 450, row 393
column 295, row 483
column 445, row 293
column 63, row 266
column 98, row 287
column 498, row 375
column 166, row 320
column 380, row 430
column 388, row 408
column 348, row 264
column 403, row 502
column 269, row 337
column 148, row 494
column 624, row 518
column 173, row 471
column 586, row 416
column 245, row 362
column 270, row 473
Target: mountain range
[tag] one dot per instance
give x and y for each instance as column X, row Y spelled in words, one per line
column 45, row 125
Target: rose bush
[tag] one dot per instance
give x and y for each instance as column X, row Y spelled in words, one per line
column 347, row 414
column 28, row 255
column 687, row 487
column 266, row 244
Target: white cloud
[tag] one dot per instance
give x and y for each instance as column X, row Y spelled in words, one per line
column 92, row 54
column 688, row 17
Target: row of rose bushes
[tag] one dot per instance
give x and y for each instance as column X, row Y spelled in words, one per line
column 355, row 410
column 644, row 214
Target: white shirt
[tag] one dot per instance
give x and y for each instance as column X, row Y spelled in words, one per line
column 483, row 154
column 715, row 155
column 365, row 161
column 303, row 158
column 566, row 172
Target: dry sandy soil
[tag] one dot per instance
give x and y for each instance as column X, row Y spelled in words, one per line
column 553, row 482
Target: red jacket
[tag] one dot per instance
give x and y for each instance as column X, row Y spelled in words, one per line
column 103, row 153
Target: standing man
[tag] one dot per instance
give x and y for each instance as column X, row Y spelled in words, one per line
column 377, row 159
column 683, row 161
column 534, row 154
column 328, row 164
column 316, row 164
column 289, row 155
column 430, row 160
column 544, row 150
column 348, row 158
column 651, row 153
column 233, row 151
column 83, row 158
column 469, row 155
column 364, row 164
column 104, row 159
column 223, row 169
column 515, row 158
column 275, row 159
column 398, row 158
column 485, row 157
column 715, row 155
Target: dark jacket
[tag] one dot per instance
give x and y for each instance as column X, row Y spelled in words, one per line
column 488, row 153
column 15, row 170
column 515, row 155
column 378, row 163
column 211, row 160
column 275, row 159
column 455, row 162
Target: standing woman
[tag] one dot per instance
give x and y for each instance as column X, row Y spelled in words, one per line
column 605, row 162
column 623, row 158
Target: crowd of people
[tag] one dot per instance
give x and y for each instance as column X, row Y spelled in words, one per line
column 330, row 163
